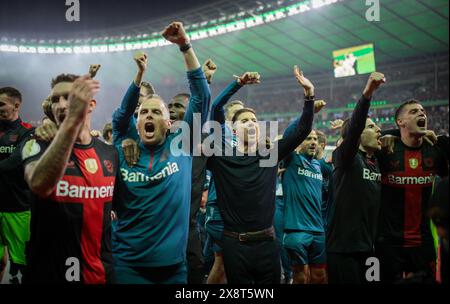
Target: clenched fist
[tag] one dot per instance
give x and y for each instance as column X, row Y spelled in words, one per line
column 319, row 105
column 249, row 78
column 93, row 69
column 209, row 68
column 141, row 61
column 83, row 91
column 373, row 83
column 307, row 85
column 175, row 33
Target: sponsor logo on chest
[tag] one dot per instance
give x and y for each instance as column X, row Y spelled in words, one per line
column 371, row 176
column 139, row 177
column 308, row 173
column 7, row 149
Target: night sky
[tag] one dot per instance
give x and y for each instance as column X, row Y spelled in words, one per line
column 37, row 17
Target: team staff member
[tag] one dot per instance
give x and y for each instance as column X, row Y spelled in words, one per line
column 405, row 242
column 153, row 197
column 357, row 193
column 246, row 192
column 72, row 179
column 14, row 193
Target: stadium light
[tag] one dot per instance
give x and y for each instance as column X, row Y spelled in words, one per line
column 121, row 44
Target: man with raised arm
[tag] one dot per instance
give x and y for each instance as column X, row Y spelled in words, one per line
column 357, row 193
column 153, row 196
column 246, row 189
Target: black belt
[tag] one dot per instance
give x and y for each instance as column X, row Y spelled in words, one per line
column 261, row 235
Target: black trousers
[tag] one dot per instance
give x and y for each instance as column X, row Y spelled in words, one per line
column 194, row 257
column 256, row 262
column 347, row 268
column 395, row 260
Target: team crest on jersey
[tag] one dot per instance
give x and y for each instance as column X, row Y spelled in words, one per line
column 413, row 163
column 108, row 166
column 91, row 165
column 30, row 149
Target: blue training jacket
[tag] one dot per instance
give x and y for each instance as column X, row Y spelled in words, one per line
column 152, row 199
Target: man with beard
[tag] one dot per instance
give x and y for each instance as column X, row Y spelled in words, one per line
column 72, row 179
column 304, row 237
column 15, row 197
column 357, row 193
column 405, row 244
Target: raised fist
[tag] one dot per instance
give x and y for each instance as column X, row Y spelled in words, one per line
column 319, row 105
column 373, row 83
column 307, row 85
column 249, row 78
column 336, row 124
column 175, row 33
column 93, row 69
column 209, row 68
column 141, row 61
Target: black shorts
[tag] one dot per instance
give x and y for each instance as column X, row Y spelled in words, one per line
column 252, row 262
column 395, row 260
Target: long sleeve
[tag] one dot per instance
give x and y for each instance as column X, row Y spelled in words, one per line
column 297, row 131
column 200, row 97
column 217, row 111
column 123, row 120
column 346, row 152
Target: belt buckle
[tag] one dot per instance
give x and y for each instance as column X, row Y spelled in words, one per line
column 241, row 237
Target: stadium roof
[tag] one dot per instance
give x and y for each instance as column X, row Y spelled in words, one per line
column 408, row 28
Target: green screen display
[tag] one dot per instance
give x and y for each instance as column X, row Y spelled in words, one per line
column 354, row 60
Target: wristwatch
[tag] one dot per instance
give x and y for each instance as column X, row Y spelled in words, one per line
column 185, row 47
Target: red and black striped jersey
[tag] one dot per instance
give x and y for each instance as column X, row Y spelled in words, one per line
column 75, row 220
column 407, row 180
column 14, row 193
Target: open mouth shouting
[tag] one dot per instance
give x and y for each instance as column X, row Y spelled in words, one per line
column 421, row 122
column 149, row 129
column 379, row 140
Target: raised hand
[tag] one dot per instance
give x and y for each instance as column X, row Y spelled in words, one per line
column 336, row 124
column 248, row 78
column 375, row 80
column 307, row 85
column 175, row 33
column 319, row 105
column 93, row 69
column 83, row 91
column 141, row 61
column 209, row 68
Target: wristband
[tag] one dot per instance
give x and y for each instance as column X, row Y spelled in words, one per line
column 185, row 47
